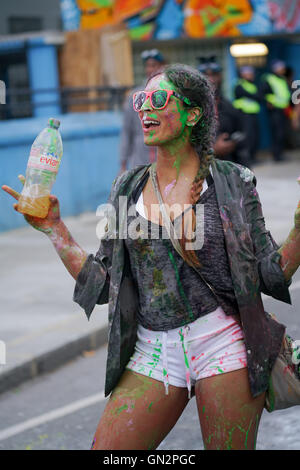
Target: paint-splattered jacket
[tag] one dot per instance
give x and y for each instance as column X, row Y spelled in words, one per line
column 254, row 265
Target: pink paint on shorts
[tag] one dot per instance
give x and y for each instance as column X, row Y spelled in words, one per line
column 213, row 343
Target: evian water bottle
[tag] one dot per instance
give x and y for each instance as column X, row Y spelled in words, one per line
column 42, row 167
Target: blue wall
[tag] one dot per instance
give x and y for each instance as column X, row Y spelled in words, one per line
column 89, row 164
column 43, row 74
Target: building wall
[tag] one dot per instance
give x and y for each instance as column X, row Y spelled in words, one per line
column 179, row 50
column 49, row 11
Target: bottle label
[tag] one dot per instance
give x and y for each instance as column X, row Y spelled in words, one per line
column 43, row 161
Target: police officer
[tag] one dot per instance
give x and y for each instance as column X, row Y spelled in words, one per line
column 247, row 100
column 277, row 96
column 231, row 142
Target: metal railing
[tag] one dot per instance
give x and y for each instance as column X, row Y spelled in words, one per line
column 21, row 102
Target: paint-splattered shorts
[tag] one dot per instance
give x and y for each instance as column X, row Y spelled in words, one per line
column 211, row 345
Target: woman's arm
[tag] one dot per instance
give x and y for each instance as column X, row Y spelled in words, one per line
column 290, row 250
column 71, row 254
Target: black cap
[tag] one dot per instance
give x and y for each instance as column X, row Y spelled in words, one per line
column 152, row 54
column 208, row 63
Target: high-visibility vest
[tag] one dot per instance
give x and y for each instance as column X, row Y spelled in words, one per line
column 247, row 105
column 280, row 98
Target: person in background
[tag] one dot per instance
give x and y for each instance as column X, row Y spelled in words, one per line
column 293, row 110
column 247, row 100
column 231, row 143
column 275, row 90
column 133, row 150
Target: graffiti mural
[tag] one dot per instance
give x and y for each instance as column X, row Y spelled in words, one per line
column 215, row 18
column 285, row 15
column 168, row 19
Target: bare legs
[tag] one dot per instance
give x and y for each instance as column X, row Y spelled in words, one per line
column 139, row 415
column 229, row 415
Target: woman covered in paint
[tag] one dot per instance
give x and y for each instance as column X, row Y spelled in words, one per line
column 174, row 331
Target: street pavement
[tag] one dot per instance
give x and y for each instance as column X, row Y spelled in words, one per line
column 42, row 328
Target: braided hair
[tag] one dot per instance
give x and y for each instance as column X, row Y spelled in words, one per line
column 192, row 84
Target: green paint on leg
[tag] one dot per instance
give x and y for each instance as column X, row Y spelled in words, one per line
column 150, row 406
column 122, row 408
column 256, row 429
column 246, row 432
column 228, row 443
column 151, row 445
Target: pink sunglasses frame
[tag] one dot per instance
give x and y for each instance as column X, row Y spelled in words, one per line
column 169, row 94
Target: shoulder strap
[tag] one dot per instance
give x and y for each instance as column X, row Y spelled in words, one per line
column 170, row 226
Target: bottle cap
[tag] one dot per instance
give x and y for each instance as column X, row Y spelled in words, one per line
column 55, row 123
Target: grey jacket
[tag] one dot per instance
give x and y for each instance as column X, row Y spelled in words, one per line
column 254, row 266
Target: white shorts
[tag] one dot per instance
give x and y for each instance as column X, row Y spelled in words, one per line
column 211, row 345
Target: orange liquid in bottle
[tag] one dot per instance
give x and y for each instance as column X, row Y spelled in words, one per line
column 35, row 206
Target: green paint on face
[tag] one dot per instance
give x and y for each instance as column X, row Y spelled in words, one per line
column 203, row 409
column 178, row 116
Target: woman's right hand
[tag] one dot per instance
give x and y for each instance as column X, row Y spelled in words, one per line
column 44, row 225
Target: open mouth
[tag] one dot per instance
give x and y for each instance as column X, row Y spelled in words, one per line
column 150, row 123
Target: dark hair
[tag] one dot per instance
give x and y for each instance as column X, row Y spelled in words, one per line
column 192, row 84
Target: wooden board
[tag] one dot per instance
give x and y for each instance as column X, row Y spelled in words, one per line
column 96, row 57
